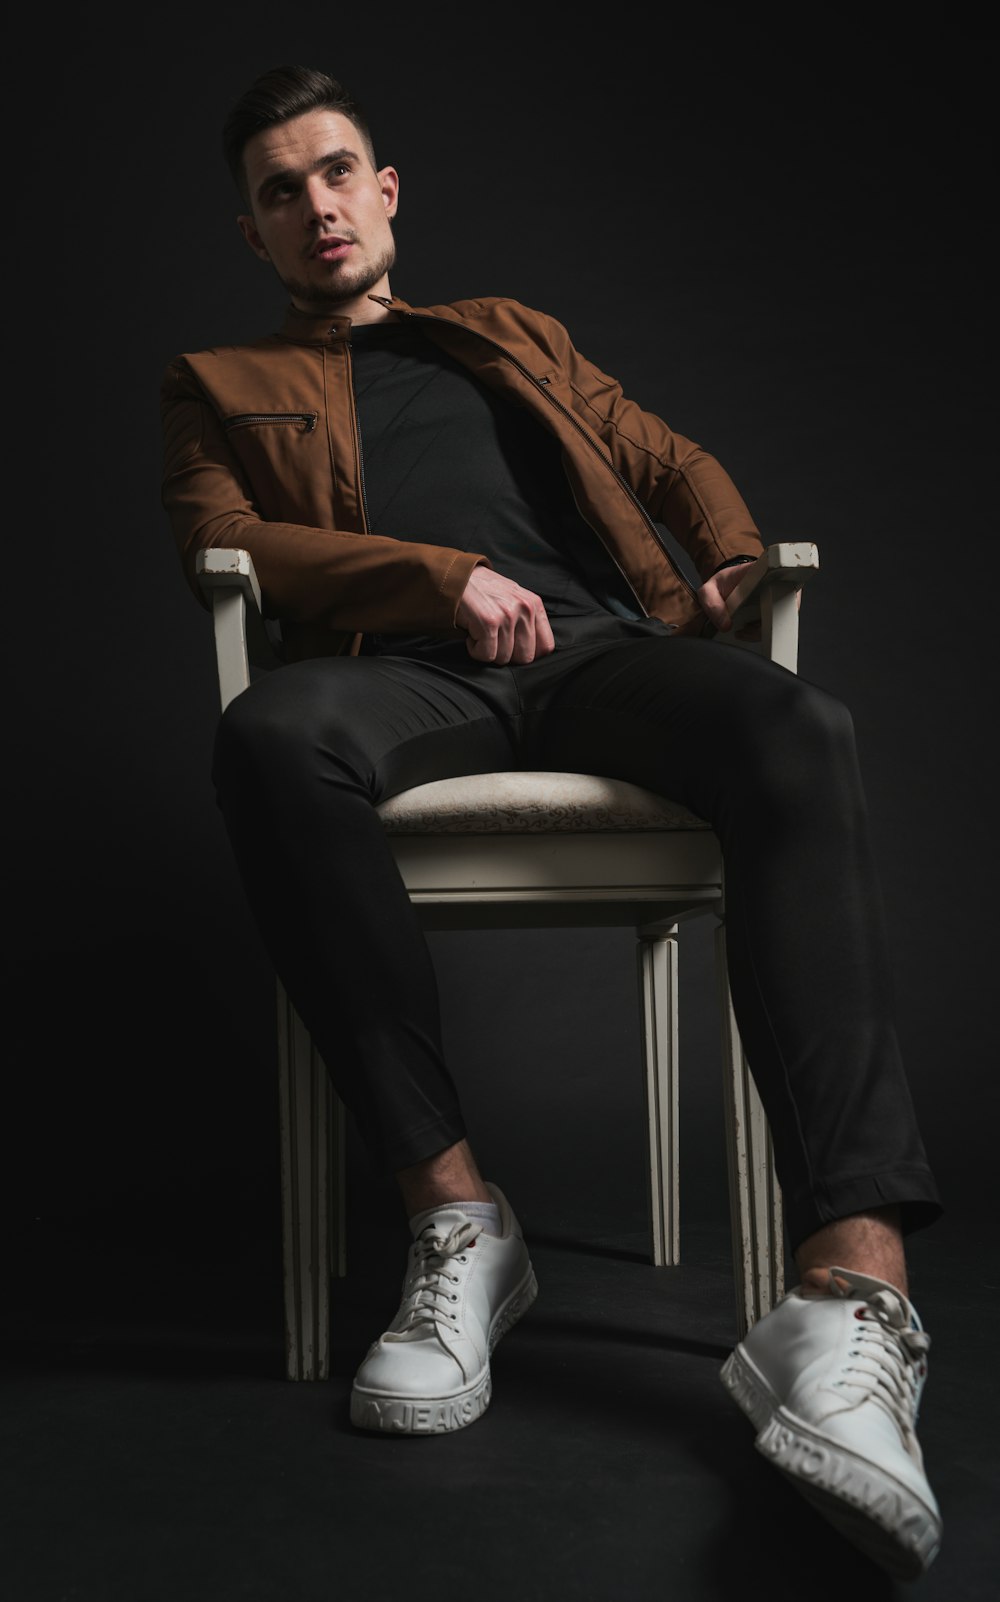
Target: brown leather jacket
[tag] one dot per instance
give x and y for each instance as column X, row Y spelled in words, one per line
column 261, row 452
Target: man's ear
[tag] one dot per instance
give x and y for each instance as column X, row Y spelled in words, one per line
column 388, row 179
column 249, row 231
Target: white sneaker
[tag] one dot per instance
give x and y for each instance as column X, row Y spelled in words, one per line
column 463, row 1289
column 833, row 1384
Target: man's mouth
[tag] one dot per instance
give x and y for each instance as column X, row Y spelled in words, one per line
column 331, row 248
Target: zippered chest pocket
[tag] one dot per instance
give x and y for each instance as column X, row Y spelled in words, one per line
column 303, row 420
column 285, row 463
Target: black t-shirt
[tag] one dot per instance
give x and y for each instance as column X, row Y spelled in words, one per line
column 447, row 461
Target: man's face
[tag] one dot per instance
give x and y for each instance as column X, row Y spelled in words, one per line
column 321, row 213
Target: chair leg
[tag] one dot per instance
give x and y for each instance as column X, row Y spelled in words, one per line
column 338, row 1186
column 658, row 987
column 754, row 1195
column 306, row 1126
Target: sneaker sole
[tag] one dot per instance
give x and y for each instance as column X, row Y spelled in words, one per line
column 876, row 1513
column 438, row 1415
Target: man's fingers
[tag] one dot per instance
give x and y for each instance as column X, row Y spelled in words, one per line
column 713, row 604
column 504, row 622
column 545, row 640
column 482, row 647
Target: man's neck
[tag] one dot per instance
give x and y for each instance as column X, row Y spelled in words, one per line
column 356, row 308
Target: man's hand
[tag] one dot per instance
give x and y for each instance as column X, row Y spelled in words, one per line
column 712, row 596
column 504, row 622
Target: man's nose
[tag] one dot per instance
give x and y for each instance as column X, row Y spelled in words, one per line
column 318, row 202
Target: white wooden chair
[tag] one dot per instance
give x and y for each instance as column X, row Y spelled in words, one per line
column 525, row 849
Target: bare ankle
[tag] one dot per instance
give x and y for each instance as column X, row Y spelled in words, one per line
column 448, row 1176
column 824, row 1279
column 869, row 1243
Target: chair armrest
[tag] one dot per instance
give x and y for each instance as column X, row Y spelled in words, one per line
column 228, row 579
column 232, row 570
column 769, row 590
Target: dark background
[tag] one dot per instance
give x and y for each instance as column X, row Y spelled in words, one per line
column 775, row 229
column 778, row 243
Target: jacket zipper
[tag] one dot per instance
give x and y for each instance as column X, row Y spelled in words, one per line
column 358, row 452
column 305, row 420
column 541, row 385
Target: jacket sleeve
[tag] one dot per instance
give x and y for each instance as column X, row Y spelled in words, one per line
column 679, row 484
column 337, row 579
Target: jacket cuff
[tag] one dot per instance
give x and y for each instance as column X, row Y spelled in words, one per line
column 732, row 561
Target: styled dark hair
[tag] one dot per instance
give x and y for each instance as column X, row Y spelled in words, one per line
column 277, row 96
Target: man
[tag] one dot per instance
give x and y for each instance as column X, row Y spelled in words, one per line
column 453, row 516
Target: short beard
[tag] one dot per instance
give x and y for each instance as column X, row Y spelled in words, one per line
column 349, row 285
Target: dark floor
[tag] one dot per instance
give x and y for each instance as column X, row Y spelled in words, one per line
column 155, row 1452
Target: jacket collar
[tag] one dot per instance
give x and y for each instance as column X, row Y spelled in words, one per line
column 310, row 328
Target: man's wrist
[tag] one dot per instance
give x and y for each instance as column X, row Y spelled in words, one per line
column 732, row 561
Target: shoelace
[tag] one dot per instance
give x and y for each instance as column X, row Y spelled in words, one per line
column 428, row 1291
column 891, row 1365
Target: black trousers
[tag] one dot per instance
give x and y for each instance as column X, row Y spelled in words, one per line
column 767, row 758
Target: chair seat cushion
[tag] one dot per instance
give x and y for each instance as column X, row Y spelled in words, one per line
column 532, row 803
